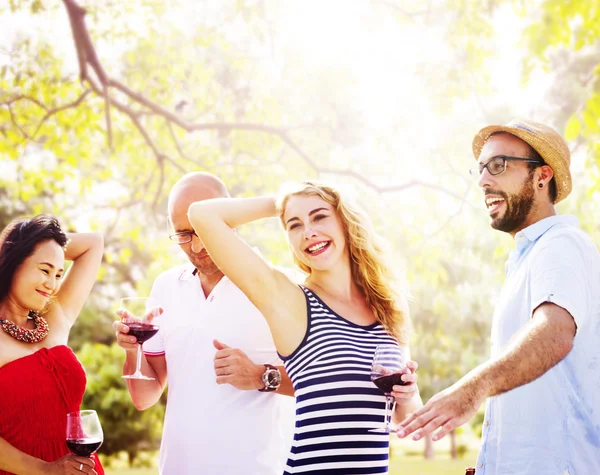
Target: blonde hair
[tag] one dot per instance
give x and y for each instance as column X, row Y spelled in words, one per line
column 367, row 256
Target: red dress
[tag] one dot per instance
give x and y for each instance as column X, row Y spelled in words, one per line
column 36, row 393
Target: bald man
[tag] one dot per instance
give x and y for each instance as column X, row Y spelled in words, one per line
column 226, row 413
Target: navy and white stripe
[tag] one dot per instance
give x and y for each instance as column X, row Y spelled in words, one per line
column 336, row 401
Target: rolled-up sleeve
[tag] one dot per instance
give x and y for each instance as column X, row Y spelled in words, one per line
column 559, row 276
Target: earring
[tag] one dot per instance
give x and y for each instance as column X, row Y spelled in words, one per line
column 541, row 185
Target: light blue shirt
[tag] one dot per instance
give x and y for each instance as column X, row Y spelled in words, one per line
column 550, row 426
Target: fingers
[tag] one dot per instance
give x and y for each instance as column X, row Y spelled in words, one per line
column 230, row 358
column 409, row 378
column 152, row 314
column 218, row 345
column 85, row 461
column 445, row 430
column 125, row 341
column 124, row 314
column 404, row 394
column 231, row 353
column 430, row 427
column 120, row 327
column 224, row 371
column 224, row 379
column 223, row 354
column 77, row 465
column 414, row 421
column 412, row 365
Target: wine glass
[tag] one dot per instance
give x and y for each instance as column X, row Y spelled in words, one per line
column 138, row 313
column 84, row 433
column 388, row 361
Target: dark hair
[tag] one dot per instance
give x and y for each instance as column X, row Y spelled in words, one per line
column 533, row 153
column 18, row 241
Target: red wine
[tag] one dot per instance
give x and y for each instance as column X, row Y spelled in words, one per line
column 142, row 331
column 83, row 447
column 385, row 383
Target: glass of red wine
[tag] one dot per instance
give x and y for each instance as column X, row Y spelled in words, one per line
column 138, row 314
column 388, row 362
column 84, row 433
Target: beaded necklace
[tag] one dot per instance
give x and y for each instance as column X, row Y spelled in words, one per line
column 28, row 336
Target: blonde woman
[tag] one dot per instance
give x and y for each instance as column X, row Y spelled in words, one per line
column 325, row 330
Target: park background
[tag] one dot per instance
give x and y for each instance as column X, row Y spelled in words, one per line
column 100, row 114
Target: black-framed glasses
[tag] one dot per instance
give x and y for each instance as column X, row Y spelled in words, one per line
column 183, row 237
column 497, row 164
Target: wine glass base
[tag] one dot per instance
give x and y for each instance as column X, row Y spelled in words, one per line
column 384, row 430
column 138, row 376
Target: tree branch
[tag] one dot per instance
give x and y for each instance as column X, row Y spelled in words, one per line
column 107, row 116
column 86, row 51
column 24, row 98
column 56, row 110
column 13, row 119
column 176, row 142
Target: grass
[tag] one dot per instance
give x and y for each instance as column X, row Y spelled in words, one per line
column 402, row 465
column 132, row 471
column 406, row 458
column 441, row 465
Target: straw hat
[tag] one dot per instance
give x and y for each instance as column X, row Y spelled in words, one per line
column 545, row 140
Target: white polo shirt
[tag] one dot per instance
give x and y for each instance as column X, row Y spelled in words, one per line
column 209, row 428
column 550, row 426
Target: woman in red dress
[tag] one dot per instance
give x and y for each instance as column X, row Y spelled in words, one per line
column 41, row 380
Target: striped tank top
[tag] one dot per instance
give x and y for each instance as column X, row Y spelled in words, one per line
column 336, row 402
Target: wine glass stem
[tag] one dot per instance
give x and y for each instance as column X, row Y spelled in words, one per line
column 388, row 399
column 138, row 366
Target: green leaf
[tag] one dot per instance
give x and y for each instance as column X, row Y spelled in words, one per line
column 573, row 128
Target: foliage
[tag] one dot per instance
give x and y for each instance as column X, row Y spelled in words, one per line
column 228, row 65
column 125, row 428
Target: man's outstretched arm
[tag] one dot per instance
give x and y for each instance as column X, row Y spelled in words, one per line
column 543, row 343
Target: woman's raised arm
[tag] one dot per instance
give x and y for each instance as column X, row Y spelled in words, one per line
column 85, row 250
column 280, row 300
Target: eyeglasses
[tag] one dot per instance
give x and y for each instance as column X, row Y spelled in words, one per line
column 183, row 237
column 497, row 165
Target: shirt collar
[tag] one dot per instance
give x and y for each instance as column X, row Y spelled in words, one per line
column 533, row 232
column 188, row 272
column 525, row 238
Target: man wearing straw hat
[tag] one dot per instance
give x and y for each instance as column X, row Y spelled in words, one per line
column 543, row 377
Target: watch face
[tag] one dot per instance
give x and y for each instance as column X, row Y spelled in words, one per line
column 272, row 378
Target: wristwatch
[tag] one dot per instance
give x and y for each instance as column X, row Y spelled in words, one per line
column 271, row 378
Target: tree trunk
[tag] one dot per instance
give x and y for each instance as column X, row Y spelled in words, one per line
column 429, row 452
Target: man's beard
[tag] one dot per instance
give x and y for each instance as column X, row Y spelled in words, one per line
column 205, row 266
column 518, row 207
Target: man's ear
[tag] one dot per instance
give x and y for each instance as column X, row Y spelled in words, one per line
column 545, row 174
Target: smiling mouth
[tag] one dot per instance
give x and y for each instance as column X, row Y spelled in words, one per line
column 43, row 293
column 494, row 203
column 317, row 248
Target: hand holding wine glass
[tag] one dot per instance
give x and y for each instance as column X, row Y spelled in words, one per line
column 386, row 372
column 69, row 464
column 84, row 437
column 137, row 314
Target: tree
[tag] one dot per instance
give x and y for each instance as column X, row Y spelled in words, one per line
column 125, row 428
column 99, row 118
